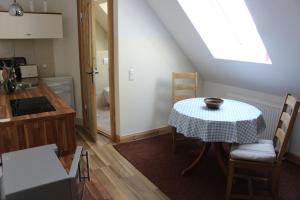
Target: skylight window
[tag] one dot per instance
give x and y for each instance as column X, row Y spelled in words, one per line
column 227, row 28
column 103, row 6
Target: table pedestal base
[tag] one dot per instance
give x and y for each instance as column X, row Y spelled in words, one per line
column 219, row 153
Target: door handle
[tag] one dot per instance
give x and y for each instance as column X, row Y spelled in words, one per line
column 92, row 73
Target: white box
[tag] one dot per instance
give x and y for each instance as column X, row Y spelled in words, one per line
column 29, row 71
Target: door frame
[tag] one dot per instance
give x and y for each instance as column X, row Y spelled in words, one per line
column 111, row 69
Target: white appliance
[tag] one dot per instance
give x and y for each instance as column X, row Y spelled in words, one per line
column 106, row 94
column 29, row 71
column 63, row 87
column 1, row 77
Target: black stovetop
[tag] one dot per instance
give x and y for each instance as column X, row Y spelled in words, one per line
column 29, row 106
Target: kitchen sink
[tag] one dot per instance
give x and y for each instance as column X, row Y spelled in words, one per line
column 29, row 106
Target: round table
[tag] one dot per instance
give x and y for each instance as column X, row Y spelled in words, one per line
column 233, row 122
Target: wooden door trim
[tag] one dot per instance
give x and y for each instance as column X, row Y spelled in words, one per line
column 111, row 68
column 80, row 63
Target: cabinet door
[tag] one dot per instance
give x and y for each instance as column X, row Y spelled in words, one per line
column 66, row 138
column 30, row 26
column 35, row 134
column 9, row 139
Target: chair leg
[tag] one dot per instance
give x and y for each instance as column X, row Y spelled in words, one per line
column 173, row 140
column 229, row 180
column 275, row 180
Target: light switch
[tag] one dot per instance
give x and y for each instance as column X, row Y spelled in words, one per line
column 105, row 61
column 131, row 74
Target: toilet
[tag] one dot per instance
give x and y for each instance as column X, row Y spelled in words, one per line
column 106, row 95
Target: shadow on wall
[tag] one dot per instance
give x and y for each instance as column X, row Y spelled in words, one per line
column 162, row 103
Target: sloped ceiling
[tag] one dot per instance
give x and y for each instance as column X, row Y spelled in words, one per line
column 101, row 16
column 278, row 24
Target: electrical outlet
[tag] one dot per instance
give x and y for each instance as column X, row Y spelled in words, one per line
column 131, row 74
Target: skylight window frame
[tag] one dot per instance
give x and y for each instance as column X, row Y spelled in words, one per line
column 227, row 28
column 103, row 6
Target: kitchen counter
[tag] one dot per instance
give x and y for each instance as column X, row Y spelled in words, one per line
column 40, row 90
column 32, row 130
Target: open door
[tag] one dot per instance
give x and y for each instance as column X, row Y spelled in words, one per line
column 86, row 27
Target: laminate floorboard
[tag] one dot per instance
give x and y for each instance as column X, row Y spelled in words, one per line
column 113, row 177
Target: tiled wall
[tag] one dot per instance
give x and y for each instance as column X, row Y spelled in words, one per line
column 38, row 52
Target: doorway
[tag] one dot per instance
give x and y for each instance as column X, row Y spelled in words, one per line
column 97, row 66
column 102, row 63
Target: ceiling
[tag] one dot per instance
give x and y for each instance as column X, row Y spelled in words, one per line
column 277, row 23
column 101, row 16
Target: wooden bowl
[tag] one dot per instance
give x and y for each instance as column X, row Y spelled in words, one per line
column 213, row 103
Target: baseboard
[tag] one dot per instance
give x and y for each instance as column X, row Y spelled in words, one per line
column 293, row 158
column 104, row 133
column 143, row 135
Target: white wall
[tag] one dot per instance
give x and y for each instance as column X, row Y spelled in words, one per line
column 101, row 38
column 220, row 90
column 66, row 50
column 37, row 52
column 102, row 78
column 146, row 46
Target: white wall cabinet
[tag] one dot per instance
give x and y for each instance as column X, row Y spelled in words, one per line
column 31, row 26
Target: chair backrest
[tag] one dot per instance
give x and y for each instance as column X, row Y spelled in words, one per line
column 184, row 85
column 76, row 185
column 285, row 124
column 75, row 163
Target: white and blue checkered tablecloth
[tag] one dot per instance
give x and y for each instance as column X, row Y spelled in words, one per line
column 234, row 122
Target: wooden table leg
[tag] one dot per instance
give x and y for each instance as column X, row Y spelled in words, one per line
column 219, row 152
column 204, row 150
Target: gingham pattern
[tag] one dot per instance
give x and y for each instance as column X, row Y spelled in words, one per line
column 234, row 122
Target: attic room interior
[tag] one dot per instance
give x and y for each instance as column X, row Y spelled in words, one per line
column 149, row 99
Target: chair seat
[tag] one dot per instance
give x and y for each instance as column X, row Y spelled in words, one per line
column 262, row 151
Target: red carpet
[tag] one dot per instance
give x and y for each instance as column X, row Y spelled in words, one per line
column 154, row 158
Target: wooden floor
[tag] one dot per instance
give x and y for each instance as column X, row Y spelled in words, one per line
column 113, row 177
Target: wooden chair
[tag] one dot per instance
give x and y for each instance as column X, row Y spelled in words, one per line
column 264, row 155
column 184, row 86
column 186, row 82
column 74, row 164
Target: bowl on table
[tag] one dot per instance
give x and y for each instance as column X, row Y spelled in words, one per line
column 213, row 103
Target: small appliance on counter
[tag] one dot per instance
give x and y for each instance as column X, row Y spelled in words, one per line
column 29, row 71
column 1, row 77
column 22, row 70
column 17, row 61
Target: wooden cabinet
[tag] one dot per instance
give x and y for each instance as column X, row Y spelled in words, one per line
column 31, row 26
column 21, row 132
column 59, row 131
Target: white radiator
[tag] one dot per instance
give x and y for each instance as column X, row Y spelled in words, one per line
column 270, row 113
